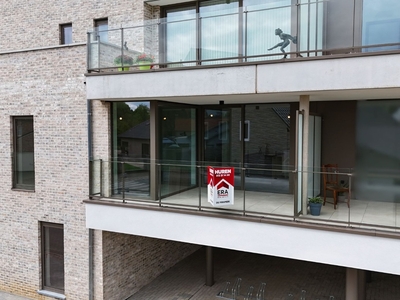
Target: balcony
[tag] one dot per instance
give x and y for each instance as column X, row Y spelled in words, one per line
column 271, row 192
column 243, row 36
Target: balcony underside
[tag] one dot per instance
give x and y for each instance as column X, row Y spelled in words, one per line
column 268, row 227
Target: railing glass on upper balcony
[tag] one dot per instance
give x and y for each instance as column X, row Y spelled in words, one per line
column 226, row 34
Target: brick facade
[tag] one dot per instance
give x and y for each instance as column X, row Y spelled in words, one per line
column 43, row 79
column 130, row 262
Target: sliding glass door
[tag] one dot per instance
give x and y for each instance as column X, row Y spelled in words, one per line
column 177, row 148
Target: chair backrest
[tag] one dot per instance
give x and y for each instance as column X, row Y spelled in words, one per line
column 330, row 174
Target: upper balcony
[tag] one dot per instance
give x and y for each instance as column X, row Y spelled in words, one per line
column 189, row 37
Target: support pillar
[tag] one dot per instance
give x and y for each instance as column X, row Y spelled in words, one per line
column 209, row 266
column 153, row 150
column 355, row 284
column 304, row 106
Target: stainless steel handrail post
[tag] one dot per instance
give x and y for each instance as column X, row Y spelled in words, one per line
column 199, row 181
column 101, row 178
column 123, row 181
column 158, row 168
column 244, row 190
column 348, row 200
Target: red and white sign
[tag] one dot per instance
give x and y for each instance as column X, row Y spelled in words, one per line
column 221, row 186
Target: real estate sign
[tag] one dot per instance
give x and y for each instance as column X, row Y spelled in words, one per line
column 221, row 186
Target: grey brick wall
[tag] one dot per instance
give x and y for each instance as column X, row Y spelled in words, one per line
column 130, row 262
column 48, row 85
column 45, row 80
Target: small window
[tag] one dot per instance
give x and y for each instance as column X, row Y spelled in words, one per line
column 101, row 30
column 52, row 240
column 23, row 156
column 66, row 34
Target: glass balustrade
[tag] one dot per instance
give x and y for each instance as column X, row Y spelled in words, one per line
column 190, row 36
column 267, row 193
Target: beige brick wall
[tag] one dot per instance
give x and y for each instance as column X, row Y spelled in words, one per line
column 49, row 85
column 36, row 24
column 130, row 262
column 45, row 80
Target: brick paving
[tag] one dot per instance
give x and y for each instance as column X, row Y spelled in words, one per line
column 186, row 280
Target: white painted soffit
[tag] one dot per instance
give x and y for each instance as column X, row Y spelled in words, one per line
column 165, row 2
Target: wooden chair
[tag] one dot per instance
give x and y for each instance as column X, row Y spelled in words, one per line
column 331, row 183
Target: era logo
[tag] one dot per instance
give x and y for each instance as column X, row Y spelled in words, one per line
column 223, row 192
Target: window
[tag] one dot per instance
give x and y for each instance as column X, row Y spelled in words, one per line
column 52, row 239
column 101, row 29
column 23, row 156
column 66, row 34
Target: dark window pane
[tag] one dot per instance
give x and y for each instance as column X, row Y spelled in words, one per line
column 53, row 257
column 66, row 34
column 24, row 167
column 101, row 28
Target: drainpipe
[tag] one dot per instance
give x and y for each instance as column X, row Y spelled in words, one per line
column 91, row 231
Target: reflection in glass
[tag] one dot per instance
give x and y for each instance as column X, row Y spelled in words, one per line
column 24, row 162
column 131, row 148
column 378, row 151
column 267, row 150
column 101, row 30
column 219, row 30
column 260, row 24
column 381, row 24
column 53, row 257
column 181, row 34
column 177, row 144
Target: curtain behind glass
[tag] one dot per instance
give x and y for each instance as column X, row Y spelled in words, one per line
column 181, row 35
column 219, row 25
column 378, row 151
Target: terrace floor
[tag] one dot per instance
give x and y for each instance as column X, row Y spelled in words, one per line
column 363, row 214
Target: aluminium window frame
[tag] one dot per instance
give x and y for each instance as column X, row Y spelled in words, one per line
column 63, row 37
column 43, row 226
column 15, row 184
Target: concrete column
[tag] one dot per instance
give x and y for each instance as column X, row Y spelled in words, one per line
column 153, row 150
column 304, row 106
column 209, row 266
column 362, row 285
column 355, row 284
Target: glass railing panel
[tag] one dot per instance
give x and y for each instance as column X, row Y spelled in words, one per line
column 219, row 38
column 311, row 28
column 178, row 39
column 186, row 186
column 381, row 24
column 137, row 179
column 96, row 178
column 261, row 37
column 185, row 38
column 377, row 192
column 176, row 178
column 269, row 191
column 317, row 203
column 103, row 53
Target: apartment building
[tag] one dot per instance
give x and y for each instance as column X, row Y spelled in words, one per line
column 115, row 113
